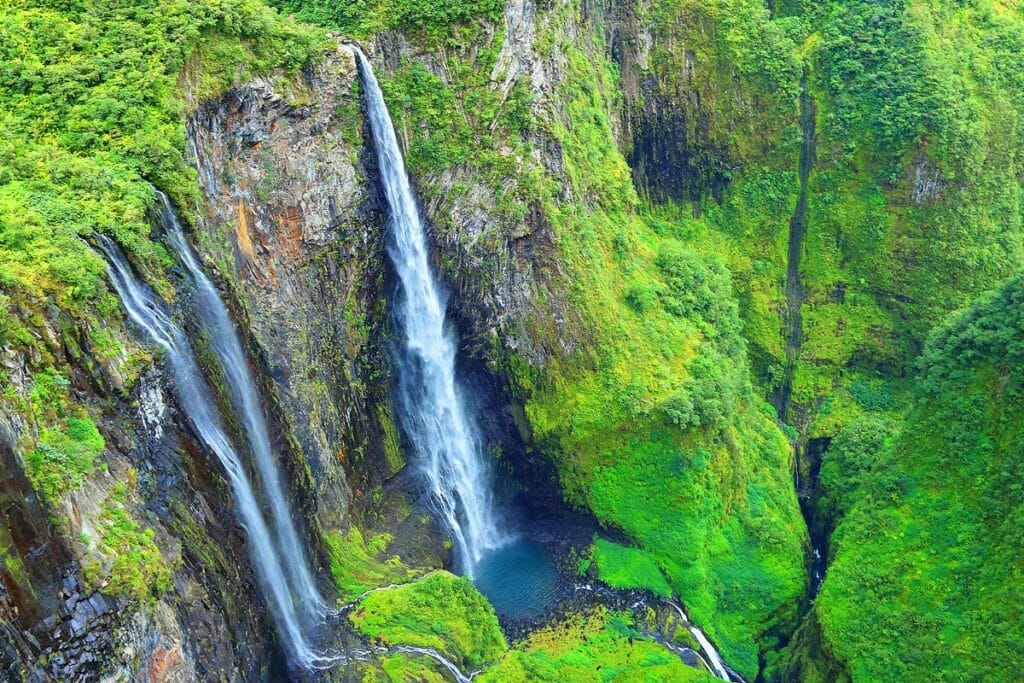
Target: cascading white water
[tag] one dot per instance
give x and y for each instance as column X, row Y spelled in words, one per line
column 717, row 665
column 431, row 405
column 241, row 384
column 148, row 312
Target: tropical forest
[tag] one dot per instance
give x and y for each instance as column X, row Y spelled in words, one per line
column 438, row 341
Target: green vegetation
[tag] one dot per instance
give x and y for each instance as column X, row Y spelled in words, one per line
column 129, row 564
column 63, row 457
column 657, row 404
column 433, row 20
column 92, row 119
column 848, row 462
column 653, row 423
column 439, row 611
column 926, row 581
column 406, row 668
column 595, row 647
column 657, row 322
column 354, row 563
column 622, row 567
column 69, row 443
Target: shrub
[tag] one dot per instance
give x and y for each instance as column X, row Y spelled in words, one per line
column 63, row 457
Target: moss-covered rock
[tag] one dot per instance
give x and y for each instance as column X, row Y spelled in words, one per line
column 439, row 611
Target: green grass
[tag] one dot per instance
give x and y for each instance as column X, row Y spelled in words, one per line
column 622, row 567
column 406, row 668
column 598, row 647
column 440, row 611
column 355, row 566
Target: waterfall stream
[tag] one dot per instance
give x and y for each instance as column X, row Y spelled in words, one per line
column 717, row 665
column 286, row 604
column 432, row 407
column 241, row 384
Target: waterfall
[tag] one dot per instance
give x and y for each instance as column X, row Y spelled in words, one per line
column 241, row 384
column 149, row 313
column 718, row 667
column 432, row 410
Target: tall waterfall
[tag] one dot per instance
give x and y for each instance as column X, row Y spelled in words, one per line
column 149, row 313
column 244, row 397
column 432, row 408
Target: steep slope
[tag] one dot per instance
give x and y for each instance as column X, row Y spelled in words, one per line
column 621, row 345
column 915, row 171
column 115, row 555
column 927, row 576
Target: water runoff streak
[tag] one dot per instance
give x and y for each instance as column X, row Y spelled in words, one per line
column 432, row 409
column 244, row 397
column 149, row 313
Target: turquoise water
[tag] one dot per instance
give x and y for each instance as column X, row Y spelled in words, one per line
column 519, row 578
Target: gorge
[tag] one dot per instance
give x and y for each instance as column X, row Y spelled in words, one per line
column 401, row 340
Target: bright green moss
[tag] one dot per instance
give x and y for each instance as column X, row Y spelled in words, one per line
column 15, row 568
column 406, row 668
column 355, row 566
column 439, row 611
column 63, row 457
column 128, row 561
column 622, row 567
column 595, row 647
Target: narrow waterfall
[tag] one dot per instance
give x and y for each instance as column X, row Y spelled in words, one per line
column 149, row 313
column 241, row 384
column 432, row 409
column 717, row 666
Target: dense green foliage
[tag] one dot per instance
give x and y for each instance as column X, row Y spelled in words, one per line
column 654, row 425
column 362, row 18
column 92, row 115
column 927, row 577
column 849, row 459
column 589, row 648
column 675, row 283
column 91, row 118
column 439, row 611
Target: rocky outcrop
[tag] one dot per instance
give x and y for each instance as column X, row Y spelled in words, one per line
column 292, row 219
column 690, row 120
column 59, row 617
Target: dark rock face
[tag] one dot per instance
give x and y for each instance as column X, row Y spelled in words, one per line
column 684, row 104
column 671, row 153
column 294, row 220
column 55, row 625
column 667, row 132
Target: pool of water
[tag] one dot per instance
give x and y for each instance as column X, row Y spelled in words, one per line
column 520, row 579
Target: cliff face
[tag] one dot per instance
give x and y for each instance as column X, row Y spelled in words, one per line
column 607, row 188
column 289, row 221
column 71, row 589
